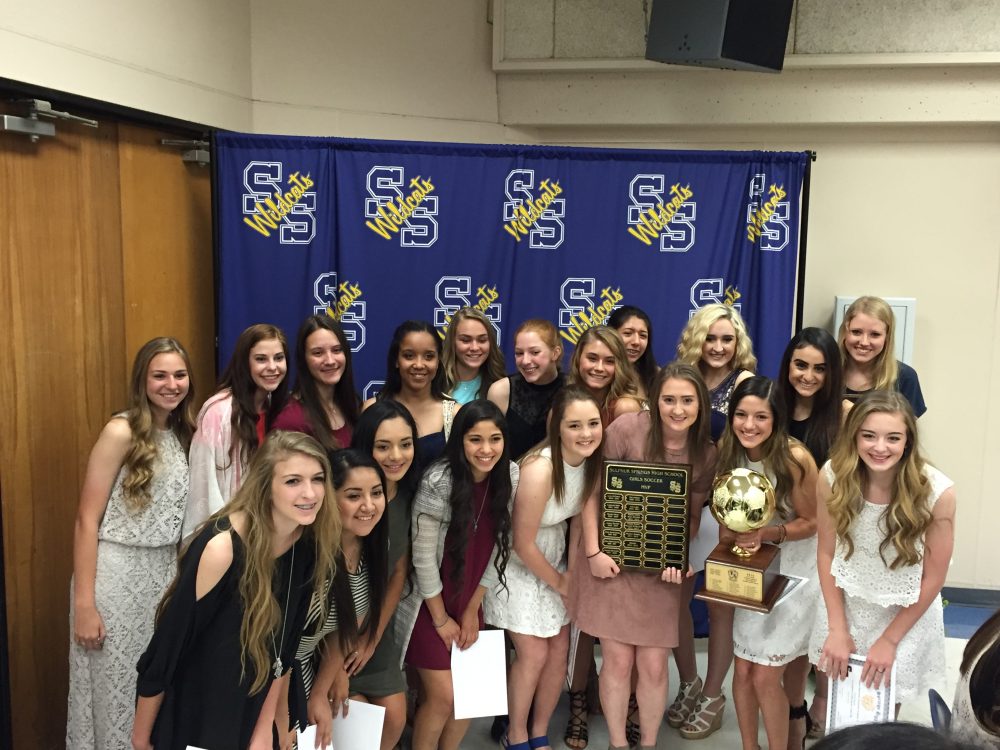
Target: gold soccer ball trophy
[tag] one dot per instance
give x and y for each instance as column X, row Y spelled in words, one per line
column 742, row 500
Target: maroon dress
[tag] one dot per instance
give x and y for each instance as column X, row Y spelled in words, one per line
column 294, row 419
column 426, row 649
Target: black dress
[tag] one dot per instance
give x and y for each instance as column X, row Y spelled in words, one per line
column 527, row 410
column 194, row 657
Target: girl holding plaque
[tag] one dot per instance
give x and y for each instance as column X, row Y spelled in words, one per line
column 635, row 614
column 228, row 626
column 471, row 358
column 231, row 425
column 461, row 544
column 526, row 396
column 886, row 532
column 414, row 378
column 555, row 480
column 867, row 345
column 324, row 403
column 636, row 330
column 756, row 438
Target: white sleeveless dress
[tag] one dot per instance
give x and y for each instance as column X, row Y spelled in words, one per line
column 136, row 561
column 528, row 605
column 873, row 594
column 782, row 635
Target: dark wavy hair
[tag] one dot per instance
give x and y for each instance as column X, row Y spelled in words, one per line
column 890, row 736
column 374, row 552
column 460, row 501
column 645, row 367
column 237, row 378
column 776, row 451
column 827, row 414
column 365, row 430
column 307, row 389
column 393, row 381
column 984, row 680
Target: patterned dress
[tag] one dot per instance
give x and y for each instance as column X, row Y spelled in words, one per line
column 136, row 560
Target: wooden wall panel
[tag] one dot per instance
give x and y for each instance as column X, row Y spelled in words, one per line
column 62, row 333
column 167, row 250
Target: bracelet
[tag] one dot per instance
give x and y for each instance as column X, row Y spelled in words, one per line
column 439, row 625
column 783, row 534
column 595, row 554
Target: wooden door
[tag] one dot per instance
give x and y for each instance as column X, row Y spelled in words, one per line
column 82, row 285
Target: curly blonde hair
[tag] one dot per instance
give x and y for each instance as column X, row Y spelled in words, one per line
column 885, row 368
column 692, row 340
column 625, row 381
column 908, row 515
column 262, row 614
column 490, row 371
column 142, row 452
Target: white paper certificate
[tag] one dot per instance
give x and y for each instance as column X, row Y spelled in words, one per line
column 851, row 703
column 479, row 677
column 360, row 730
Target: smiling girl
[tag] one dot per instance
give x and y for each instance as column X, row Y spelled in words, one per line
column 555, row 481
column 471, row 358
column 461, row 545
column 231, row 425
column 756, row 438
column 601, row 367
column 415, row 379
column 867, row 344
column 526, row 396
column 716, row 341
column 324, row 403
column 125, row 542
column 886, row 534
column 349, row 614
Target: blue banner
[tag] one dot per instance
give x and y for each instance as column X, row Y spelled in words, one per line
column 377, row 232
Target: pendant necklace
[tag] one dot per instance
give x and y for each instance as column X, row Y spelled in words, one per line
column 288, row 594
column 475, row 521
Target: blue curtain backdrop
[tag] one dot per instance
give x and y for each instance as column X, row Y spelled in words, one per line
column 376, row 232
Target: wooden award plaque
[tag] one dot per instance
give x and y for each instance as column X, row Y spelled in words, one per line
column 747, row 582
column 644, row 515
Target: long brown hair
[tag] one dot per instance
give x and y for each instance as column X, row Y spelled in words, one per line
column 254, row 500
column 625, row 381
column 908, row 515
column 237, row 378
column 307, row 389
column 984, row 687
column 142, row 452
column 776, row 451
column 490, row 371
column 699, row 436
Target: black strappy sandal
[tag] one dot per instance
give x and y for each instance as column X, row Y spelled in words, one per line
column 632, row 733
column 801, row 712
column 577, row 733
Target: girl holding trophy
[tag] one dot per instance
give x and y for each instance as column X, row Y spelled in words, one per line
column 756, row 438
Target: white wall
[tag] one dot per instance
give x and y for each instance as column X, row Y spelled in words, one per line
column 186, row 59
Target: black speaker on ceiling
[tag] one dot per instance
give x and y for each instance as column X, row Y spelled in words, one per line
column 735, row 34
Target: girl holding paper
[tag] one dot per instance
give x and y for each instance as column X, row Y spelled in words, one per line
column 756, row 437
column 228, row 626
column 347, row 618
column 555, row 480
column 636, row 614
column 461, row 527
column 886, row 532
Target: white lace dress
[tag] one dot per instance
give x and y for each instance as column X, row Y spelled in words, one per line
column 782, row 635
column 874, row 594
column 528, row 605
column 136, row 560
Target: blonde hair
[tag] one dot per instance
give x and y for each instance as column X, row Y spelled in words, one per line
column 262, row 613
column 625, row 381
column 142, row 452
column 885, row 368
column 908, row 515
column 490, row 371
column 692, row 340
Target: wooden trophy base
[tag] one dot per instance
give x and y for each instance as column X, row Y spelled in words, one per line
column 753, row 582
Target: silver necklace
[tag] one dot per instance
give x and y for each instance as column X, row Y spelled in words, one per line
column 284, row 620
column 475, row 521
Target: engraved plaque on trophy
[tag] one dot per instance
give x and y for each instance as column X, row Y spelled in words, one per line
column 644, row 515
column 743, row 500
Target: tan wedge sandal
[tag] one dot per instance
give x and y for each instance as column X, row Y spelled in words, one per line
column 705, row 719
column 683, row 705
